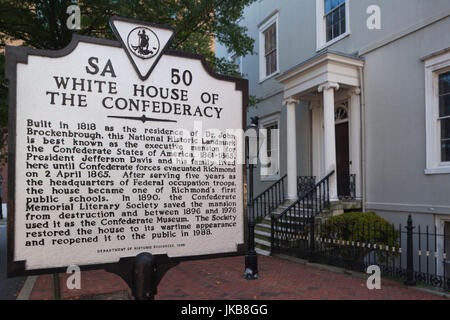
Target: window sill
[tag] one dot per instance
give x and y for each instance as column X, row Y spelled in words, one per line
column 439, row 170
column 269, row 77
column 331, row 42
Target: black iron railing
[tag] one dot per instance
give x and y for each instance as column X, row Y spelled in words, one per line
column 304, row 184
column 269, row 200
column 290, row 225
column 410, row 253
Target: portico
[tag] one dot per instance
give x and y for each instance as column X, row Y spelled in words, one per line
column 330, row 83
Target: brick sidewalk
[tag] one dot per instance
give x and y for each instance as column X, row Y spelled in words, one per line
column 222, row 279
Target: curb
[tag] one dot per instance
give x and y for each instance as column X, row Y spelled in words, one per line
column 359, row 275
column 27, row 288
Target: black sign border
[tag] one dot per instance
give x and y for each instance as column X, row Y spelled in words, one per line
column 16, row 55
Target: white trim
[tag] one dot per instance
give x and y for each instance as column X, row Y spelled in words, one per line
column 433, row 67
column 321, row 42
column 265, row 122
column 269, row 21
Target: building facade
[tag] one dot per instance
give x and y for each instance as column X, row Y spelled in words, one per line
column 359, row 87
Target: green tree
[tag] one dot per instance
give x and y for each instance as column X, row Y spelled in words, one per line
column 42, row 24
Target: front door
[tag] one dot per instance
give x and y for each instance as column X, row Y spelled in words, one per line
column 342, row 160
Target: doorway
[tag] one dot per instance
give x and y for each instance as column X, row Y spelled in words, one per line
column 342, row 160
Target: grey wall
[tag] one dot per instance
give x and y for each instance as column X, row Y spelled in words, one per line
column 395, row 120
column 395, row 96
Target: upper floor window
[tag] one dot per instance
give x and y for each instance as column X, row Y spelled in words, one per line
column 444, row 115
column 335, row 18
column 268, row 47
column 332, row 21
column 437, row 97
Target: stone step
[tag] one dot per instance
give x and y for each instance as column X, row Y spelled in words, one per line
column 262, row 252
column 266, row 226
column 262, row 244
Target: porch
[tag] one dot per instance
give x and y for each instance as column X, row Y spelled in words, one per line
column 330, row 83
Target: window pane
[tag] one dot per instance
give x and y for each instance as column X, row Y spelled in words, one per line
column 335, row 16
column 327, row 6
column 445, row 140
column 335, row 30
column 342, row 17
column 445, row 151
column 445, row 129
column 270, row 39
column 444, row 83
column 270, row 46
column 334, row 3
column 329, row 33
column 444, row 105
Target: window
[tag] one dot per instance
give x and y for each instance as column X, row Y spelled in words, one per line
column 437, row 94
column 335, row 18
column 341, row 114
column 444, row 115
column 269, row 47
column 270, row 168
column 332, row 21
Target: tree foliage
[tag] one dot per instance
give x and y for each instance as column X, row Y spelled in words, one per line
column 42, row 24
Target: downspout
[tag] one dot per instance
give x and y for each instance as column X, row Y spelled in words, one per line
column 363, row 140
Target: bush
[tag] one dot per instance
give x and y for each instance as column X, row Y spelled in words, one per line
column 366, row 231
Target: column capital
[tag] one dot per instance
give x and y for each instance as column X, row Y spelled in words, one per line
column 355, row 91
column 328, row 85
column 290, row 100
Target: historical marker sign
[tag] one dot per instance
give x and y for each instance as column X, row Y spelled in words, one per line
column 118, row 148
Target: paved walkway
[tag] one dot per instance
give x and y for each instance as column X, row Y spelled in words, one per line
column 222, row 279
column 9, row 288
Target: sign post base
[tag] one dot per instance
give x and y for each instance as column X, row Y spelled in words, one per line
column 143, row 273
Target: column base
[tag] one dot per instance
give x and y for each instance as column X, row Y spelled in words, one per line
column 292, row 198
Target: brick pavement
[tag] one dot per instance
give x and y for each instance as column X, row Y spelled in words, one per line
column 222, row 279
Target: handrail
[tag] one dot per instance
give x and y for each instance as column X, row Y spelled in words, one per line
column 297, row 220
column 273, row 185
column 307, row 194
column 269, row 199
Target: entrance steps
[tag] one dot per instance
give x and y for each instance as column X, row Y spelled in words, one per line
column 263, row 229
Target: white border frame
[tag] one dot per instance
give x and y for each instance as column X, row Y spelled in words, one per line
column 433, row 67
column 321, row 24
column 264, row 122
column 273, row 18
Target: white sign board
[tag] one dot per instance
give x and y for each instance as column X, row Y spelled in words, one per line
column 122, row 148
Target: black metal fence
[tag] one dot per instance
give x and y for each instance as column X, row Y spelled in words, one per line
column 269, row 200
column 411, row 253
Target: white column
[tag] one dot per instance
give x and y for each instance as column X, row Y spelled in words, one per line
column 291, row 139
column 330, row 135
column 355, row 137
